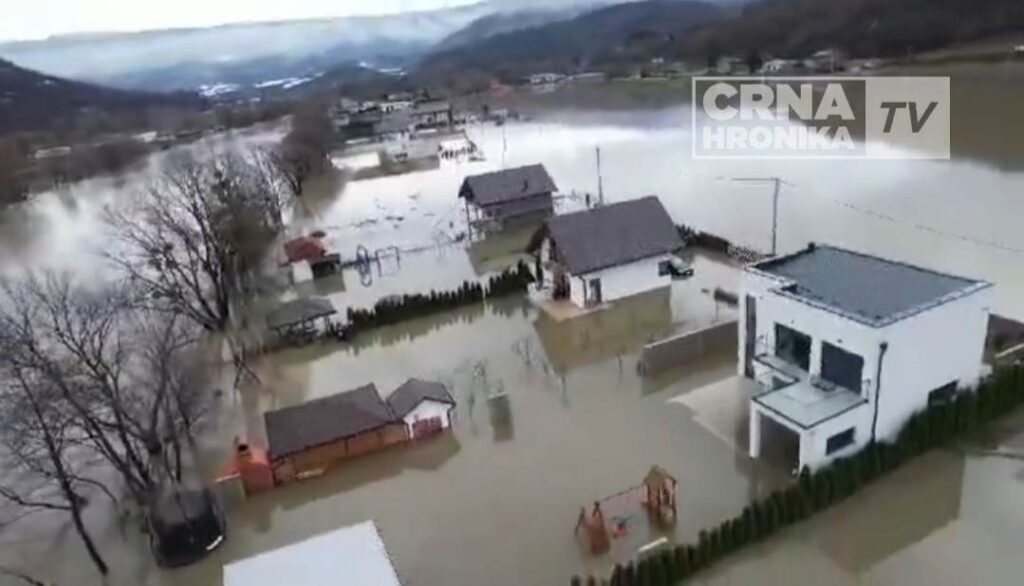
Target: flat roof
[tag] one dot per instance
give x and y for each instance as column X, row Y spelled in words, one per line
column 808, row 406
column 869, row 289
column 350, row 556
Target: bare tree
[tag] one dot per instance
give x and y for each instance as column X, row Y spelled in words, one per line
column 196, row 236
column 304, row 151
column 37, row 437
column 125, row 379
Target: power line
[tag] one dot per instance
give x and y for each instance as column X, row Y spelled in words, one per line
column 994, row 244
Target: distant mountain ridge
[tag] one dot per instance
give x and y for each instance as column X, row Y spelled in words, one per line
column 602, row 35
column 238, row 53
column 33, row 101
column 505, row 22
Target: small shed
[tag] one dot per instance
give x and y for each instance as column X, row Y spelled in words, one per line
column 424, row 407
column 300, row 315
column 306, row 440
column 306, row 248
column 497, row 197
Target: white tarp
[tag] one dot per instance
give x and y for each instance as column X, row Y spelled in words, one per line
column 352, row 556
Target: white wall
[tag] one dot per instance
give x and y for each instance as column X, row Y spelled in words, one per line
column 429, row 410
column 928, row 350
column 621, row 281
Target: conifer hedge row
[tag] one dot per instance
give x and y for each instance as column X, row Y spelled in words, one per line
column 396, row 309
column 813, row 492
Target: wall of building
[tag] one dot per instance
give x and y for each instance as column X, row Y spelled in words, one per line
column 510, row 209
column 621, row 281
column 319, row 459
column 429, row 410
column 821, row 325
column 813, row 442
column 926, row 351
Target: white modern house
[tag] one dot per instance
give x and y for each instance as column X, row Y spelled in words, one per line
column 607, row 253
column 425, row 407
column 845, row 347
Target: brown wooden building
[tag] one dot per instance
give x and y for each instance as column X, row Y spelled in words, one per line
column 309, row 439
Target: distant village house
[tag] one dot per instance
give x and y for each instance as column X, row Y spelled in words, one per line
column 493, row 199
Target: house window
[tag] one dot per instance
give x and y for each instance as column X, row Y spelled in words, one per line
column 839, row 441
column 841, row 367
column 942, row 394
column 793, row 346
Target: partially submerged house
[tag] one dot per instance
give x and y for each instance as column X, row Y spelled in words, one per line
column 492, row 199
column 607, row 253
column 845, row 346
column 425, row 407
column 306, row 440
column 431, row 115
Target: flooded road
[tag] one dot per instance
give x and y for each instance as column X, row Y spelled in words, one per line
column 495, row 502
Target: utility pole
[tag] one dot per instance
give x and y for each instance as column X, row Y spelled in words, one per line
column 600, row 181
column 777, row 183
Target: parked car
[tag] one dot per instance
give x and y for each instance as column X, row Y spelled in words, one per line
column 678, row 268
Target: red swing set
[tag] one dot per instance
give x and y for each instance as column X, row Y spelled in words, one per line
column 660, row 503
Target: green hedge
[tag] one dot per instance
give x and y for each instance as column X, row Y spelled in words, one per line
column 393, row 310
column 813, row 492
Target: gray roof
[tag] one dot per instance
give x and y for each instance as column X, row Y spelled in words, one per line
column 413, row 392
column 321, row 421
column 431, row 107
column 507, row 185
column 613, row 235
column 394, row 122
column 868, row 289
column 299, row 311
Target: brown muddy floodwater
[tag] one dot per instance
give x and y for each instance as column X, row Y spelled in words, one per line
column 496, row 500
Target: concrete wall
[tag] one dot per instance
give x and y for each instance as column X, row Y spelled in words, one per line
column 686, row 348
column 621, row 281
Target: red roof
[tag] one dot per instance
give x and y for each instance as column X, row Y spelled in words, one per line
column 304, row 248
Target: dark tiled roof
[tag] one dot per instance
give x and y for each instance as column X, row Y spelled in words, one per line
column 613, row 235
column 869, row 289
column 507, row 185
column 431, row 107
column 300, row 310
column 413, row 392
column 325, row 420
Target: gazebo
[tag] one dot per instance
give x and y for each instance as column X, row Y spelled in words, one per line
column 297, row 317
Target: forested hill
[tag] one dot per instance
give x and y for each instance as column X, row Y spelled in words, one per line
column 32, row 101
column 618, row 32
column 864, row 28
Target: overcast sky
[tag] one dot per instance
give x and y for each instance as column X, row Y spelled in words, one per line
column 36, row 19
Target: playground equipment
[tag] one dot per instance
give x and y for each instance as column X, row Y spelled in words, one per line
column 659, row 500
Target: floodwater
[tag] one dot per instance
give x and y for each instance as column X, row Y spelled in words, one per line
column 497, row 499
